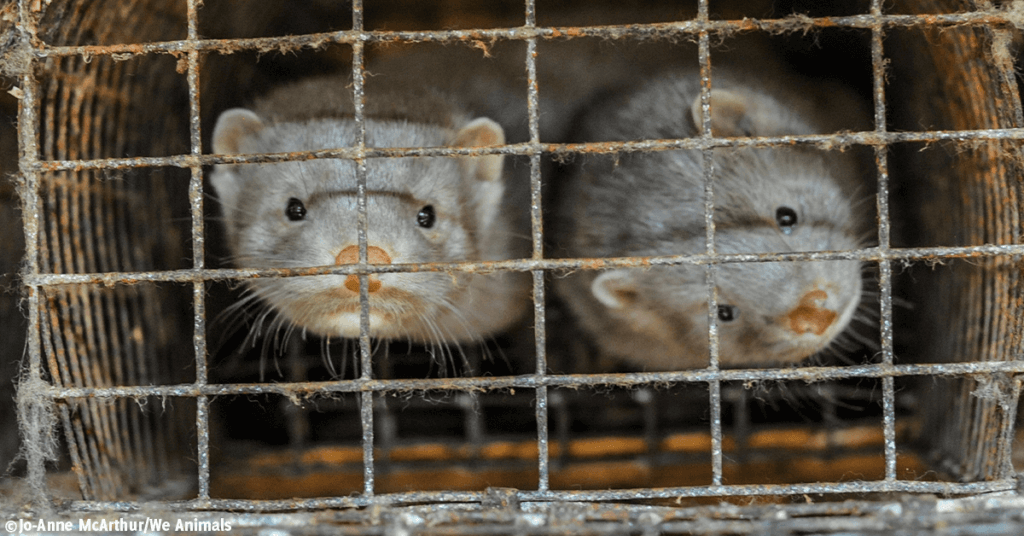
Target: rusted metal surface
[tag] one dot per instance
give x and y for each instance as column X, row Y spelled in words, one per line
column 931, row 255
column 884, row 268
column 809, row 374
column 31, row 221
column 195, row 196
column 794, row 23
column 541, row 410
column 365, row 353
column 707, row 160
column 824, row 141
column 527, row 496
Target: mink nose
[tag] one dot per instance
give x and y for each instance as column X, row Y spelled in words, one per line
column 810, row 315
column 374, row 255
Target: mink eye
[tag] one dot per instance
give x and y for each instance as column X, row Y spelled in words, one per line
column 728, row 313
column 786, row 218
column 296, row 210
column 426, row 217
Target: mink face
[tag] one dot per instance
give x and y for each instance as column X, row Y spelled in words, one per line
column 767, row 200
column 426, row 209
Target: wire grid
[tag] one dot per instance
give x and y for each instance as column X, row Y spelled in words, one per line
column 39, row 282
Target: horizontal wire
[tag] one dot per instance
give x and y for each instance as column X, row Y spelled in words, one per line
column 589, row 496
column 936, row 254
column 531, row 381
column 840, row 140
column 661, row 30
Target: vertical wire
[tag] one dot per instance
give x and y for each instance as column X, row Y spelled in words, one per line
column 537, row 233
column 366, row 364
column 195, row 195
column 708, row 165
column 884, row 268
column 28, row 151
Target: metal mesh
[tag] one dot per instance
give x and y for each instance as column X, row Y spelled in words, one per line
column 110, row 133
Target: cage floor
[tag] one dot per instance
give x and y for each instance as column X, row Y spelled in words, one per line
column 779, row 455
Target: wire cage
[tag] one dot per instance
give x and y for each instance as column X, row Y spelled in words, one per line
column 157, row 415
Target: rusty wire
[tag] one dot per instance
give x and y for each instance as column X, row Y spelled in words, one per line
column 884, row 267
column 708, row 165
column 588, row 496
column 31, row 205
column 936, row 254
column 537, row 233
column 365, row 353
column 633, row 31
column 478, row 384
column 824, row 141
column 36, row 280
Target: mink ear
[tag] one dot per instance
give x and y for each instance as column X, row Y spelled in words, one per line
column 234, row 126
column 485, row 186
column 477, row 133
column 615, row 289
column 729, row 113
